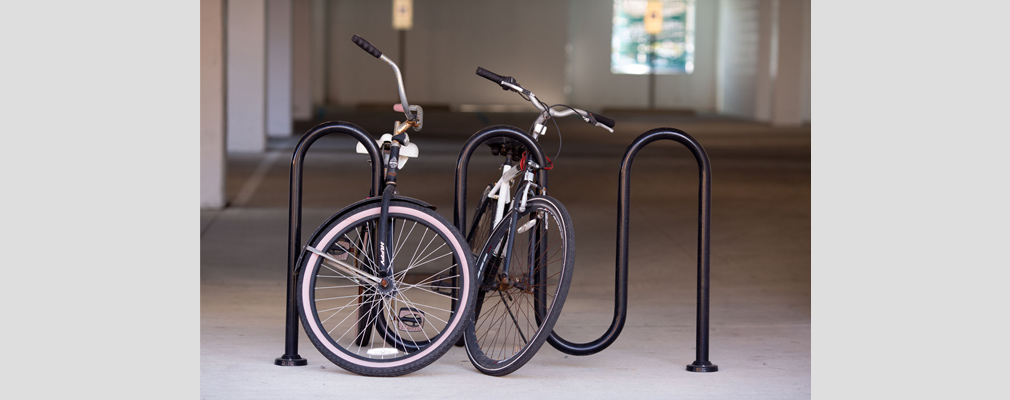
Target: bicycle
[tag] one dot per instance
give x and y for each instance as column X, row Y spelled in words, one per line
column 525, row 246
column 385, row 285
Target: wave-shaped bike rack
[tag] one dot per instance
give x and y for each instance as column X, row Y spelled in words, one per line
column 701, row 362
column 291, row 357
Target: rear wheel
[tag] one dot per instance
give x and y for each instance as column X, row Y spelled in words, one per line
column 522, row 287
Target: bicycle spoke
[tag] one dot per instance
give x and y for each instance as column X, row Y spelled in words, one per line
column 396, row 250
column 509, row 309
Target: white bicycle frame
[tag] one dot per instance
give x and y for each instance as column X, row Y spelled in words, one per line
column 501, row 191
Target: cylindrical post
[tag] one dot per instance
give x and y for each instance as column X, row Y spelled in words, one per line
column 701, row 363
column 291, row 356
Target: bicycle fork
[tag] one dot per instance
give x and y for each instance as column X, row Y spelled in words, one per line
column 385, row 231
column 496, row 277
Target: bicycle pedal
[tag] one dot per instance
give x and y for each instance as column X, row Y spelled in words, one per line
column 340, row 249
column 442, row 284
column 410, row 320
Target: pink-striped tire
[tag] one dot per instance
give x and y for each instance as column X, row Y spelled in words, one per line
column 373, row 330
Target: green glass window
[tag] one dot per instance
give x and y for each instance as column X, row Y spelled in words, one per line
column 670, row 51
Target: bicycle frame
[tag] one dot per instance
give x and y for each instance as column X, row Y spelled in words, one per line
column 538, row 129
column 537, row 274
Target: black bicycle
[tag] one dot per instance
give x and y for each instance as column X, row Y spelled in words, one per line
column 525, row 246
column 385, row 285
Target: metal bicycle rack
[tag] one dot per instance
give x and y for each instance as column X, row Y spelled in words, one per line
column 291, row 357
column 701, row 362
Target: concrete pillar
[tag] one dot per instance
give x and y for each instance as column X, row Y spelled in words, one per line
column 246, row 76
column 212, row 103
column 788, row 94
column 765, row 77
column 320, row 20
column 301, row 62
column 805, row 61
column 739, row 36
column 279, row 53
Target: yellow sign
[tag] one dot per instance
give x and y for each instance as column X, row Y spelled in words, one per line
column 654, row 17
column 403, row 14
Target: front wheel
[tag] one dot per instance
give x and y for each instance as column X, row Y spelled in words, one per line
column 386, row 323
column 522, row 287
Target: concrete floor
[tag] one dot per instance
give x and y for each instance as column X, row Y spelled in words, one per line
column 760, row 263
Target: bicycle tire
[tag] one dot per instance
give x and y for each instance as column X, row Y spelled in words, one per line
column 416, row 318
column 480, row 229
column 513, row 317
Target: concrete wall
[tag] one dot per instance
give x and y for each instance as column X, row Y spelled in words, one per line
column 320, row 52
column 246, row 75
column 764, row 66
column 593, row 86
column 739, row 45
column 558, row 48
column 449, row 40
column 752, row 59
column 793, row 61
column 526, row 39
column 279, row 62
column 301, row 60
column 212, row 104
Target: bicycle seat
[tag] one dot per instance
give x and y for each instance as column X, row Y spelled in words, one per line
column 503, row 146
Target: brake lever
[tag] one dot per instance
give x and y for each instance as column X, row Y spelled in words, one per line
column 514, row 86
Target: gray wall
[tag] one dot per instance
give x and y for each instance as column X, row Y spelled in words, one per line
column 739, row 40
column 560, row 49
column 594, row 87
column 752, row 59
column 449, row 40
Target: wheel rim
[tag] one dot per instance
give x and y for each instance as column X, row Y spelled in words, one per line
column 511, row 308
column 387, row 326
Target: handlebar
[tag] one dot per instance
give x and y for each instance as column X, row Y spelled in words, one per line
column 408, row 110
column 491, row 76
column 361, row 42
column 603, row 120
column 509, row 83
column 506, row 82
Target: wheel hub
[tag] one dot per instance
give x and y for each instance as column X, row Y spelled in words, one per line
column 386, row 288
column 505, row 283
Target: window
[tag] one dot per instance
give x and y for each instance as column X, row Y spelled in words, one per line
column 673, row 45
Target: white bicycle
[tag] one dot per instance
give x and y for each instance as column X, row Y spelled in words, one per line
column 525, row 250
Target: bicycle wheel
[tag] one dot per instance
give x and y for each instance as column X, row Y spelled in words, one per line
column 518, row 306
column 396, row 324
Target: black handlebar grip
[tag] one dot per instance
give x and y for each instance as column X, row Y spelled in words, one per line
column 491, row 76
column 605, row 121
column 364, row 45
